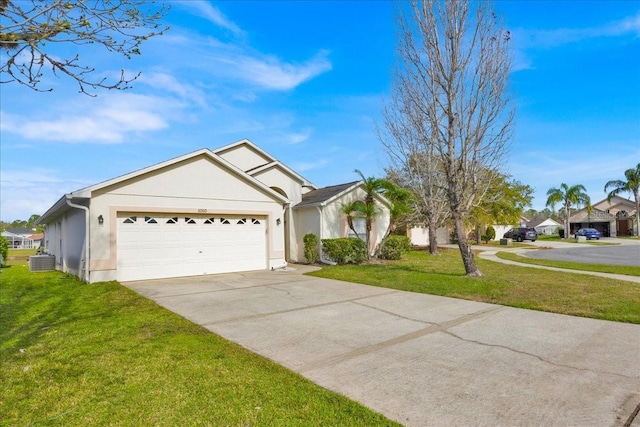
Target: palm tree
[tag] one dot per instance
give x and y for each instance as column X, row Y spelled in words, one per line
column 352, row 210
column 568, row 196
column 631, row 185
column 368, row 210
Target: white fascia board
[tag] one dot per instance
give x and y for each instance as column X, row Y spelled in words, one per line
column 340, row 194
column 248, row 143
column 286, row 170
column 273, row 161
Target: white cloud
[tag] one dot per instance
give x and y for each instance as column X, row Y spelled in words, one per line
column 109, row 119
column 211, row 13
column 25, row 193
column 271, row 73
column 170, row 84
column 525, row 39
column 307, row 166
column 298, row 137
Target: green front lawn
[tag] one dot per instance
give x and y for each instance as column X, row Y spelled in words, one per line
column 523, row 287
column 74, row 354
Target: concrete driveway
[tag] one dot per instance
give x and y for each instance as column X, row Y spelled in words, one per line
column 419, row 359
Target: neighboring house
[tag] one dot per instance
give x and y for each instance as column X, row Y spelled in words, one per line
column 546, row 226
column 320, row 213
column 235, row 208
column 611, row 218
column 501, row 228
column 419, row 236
column 19, row 238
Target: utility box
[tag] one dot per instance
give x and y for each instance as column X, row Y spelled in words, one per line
column 580, row 239
column 42, row 263
column 506, row 242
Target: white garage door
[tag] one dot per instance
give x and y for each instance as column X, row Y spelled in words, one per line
column 152, row 246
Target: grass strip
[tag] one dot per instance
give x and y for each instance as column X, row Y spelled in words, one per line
column 522, row 287
column 76, row 355
column 599, row 268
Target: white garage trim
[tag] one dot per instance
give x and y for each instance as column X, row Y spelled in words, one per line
column 156, row 245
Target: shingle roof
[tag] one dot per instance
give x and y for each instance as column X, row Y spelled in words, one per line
column 321, row 195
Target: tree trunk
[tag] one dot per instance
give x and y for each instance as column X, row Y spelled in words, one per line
column 433, row 238
column 465, row 249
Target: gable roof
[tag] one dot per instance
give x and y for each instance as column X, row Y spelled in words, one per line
column 86, row 192
column 26, row 232
column 539, row 221
column 323, row 196
column 270, row 161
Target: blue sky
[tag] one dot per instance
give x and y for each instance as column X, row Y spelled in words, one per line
column 306, row 81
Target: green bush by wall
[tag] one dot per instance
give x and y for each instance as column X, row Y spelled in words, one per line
column 311, row 248
column 345, row 250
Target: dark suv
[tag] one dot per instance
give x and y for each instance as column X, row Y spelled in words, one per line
column 522, row 233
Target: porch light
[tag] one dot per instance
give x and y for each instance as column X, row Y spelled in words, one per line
column 100, row 220
column 278, row 221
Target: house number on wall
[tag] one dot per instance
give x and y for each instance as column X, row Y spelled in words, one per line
column 202, row 211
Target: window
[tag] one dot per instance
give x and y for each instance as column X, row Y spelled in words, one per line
column 224, row 221
column 242, row 221
column 130, row 220
column 360, row 224
column 150, row 220
column 209, row 220
column 254, row 221
column 189, row 220
column 173, row 220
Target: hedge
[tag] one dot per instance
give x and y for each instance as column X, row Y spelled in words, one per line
column 345, row 250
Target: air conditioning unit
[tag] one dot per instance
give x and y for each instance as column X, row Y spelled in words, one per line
column 42, row 263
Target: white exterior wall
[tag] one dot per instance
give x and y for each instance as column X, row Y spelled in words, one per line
column 275, row 177
column 501, row 229
column 243, row 157
column 306, row 220
column 65, row 239
column 335, row 225
column 199, row 186
column 419, row 236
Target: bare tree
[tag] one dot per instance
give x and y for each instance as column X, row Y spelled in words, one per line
column 31, row 29
column 453, row 69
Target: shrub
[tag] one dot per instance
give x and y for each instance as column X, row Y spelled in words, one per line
column 311, row 248
column 490, row 234
column 394, row 247
column 4, row 250
column 561, row 233
column 345, row 250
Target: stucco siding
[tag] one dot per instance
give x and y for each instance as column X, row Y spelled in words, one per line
column 73, row 230
column 274, row 177
column 306, row 221
column 244, row 157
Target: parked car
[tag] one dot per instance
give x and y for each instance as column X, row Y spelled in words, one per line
column 589, row 233
column 521, row 233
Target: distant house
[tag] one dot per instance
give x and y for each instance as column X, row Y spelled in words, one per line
column 235, row 208
column 611, row 218
column 419, row 235
column 546, row 226
column 19, row 238
column 501, row 228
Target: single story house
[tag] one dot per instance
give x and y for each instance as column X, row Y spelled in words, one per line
column 235, row 208
column 21, row 238
column 546, row 226
column 611, row 218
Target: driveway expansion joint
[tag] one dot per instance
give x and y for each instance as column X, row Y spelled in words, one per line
column 433, row 328
column 291, row 310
